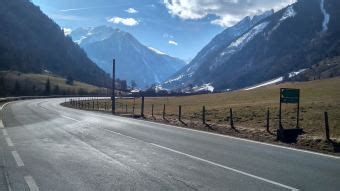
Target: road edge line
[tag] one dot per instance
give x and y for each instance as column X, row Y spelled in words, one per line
column 228, row 136
column 226, row 167
column 32, row 185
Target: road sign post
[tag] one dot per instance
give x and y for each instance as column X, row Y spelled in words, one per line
column 289, row 96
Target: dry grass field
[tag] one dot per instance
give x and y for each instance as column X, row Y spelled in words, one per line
column 250, row 107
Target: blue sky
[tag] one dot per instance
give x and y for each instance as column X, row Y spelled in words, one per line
column 179, row 28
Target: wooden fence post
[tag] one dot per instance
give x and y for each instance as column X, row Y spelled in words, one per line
column 180, row 113
column 164, row 111
column 231, row 118
column 267, row 126
column 142, row 109
column 203, row 114
column 152, row 110
column 327, row 126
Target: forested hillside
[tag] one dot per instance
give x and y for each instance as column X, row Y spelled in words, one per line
column 32, row 42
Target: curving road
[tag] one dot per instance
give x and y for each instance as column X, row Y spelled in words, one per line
column 44, row 146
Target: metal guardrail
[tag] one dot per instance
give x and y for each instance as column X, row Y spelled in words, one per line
column 7, row 99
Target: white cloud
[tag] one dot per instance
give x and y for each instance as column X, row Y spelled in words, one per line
column 124, row 21
column 228, row 11
column 172, row 42
column 131, row 10
column 67, row 31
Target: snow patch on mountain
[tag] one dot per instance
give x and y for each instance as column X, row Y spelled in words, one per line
column 276, row 80
column 93, row 34
column 273, row 81
column 204, row 87
column 295, row 73
column 290, row 12
column 244, row 39
column 174, row 79
column 156, row 51
column 179, row 77
column 80, row 40
column 239, row 43
column 326, row 16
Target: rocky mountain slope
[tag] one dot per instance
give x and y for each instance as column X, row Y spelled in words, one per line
column 291, row 39
column 134, row 61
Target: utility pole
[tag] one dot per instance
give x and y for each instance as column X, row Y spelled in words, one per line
column 113, row 98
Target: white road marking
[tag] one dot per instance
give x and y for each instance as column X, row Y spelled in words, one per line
column 9, row 142
column 1, row 107
column 203, row 160
column 227, row 168
column 31, row 183
column 111, row 131
column 215, row 134
column 70, row 118
column 4, row 132
column 221, row 135
column 1, row 124
column 17, row 159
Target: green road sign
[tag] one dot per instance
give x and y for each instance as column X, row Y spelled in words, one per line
column 290, row 95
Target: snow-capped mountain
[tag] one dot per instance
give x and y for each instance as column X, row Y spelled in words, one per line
column 215, row 48
column 134, row 61
column 270, row 47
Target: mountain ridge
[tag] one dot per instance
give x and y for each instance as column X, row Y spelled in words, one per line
column 103, row 43
column 293, row 38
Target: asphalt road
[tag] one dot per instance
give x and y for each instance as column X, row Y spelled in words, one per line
column 44, row 146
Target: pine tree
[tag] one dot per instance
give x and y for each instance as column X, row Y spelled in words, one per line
column 3, row 90
column 34, row 89
column 56, row 90
column 48, row 87
column 69, row 80
column 17, row 89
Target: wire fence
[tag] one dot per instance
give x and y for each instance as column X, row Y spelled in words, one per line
column 258, row 117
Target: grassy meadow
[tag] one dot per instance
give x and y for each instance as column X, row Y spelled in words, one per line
column 250, row 107
column 29, row 80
